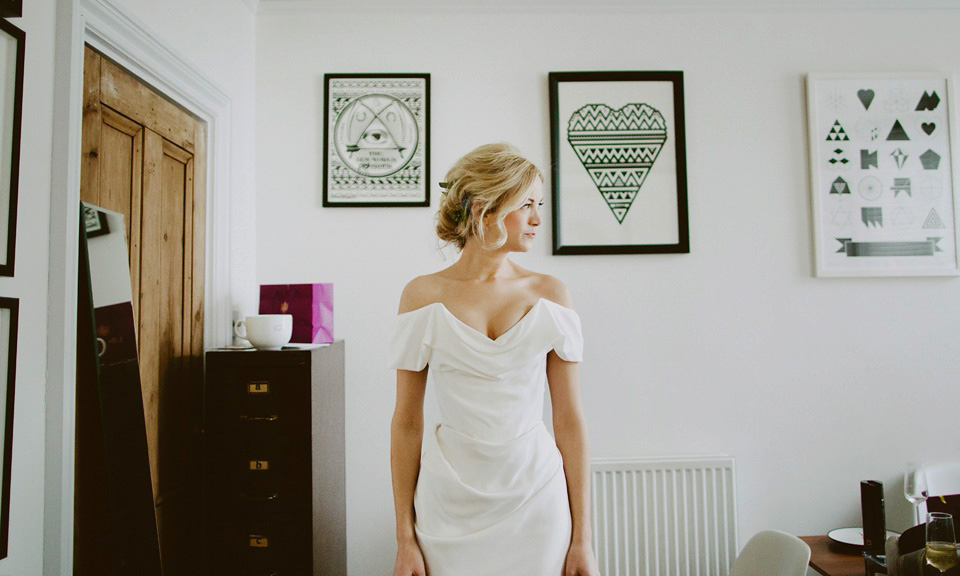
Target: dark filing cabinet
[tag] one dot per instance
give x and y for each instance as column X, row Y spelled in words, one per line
column 274, row 482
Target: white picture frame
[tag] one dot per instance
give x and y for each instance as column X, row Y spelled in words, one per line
column 883, row 161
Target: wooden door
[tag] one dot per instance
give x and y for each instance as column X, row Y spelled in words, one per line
column 144, row 157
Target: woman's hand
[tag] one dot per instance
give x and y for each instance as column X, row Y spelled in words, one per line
column 580, row 561
column 410, row 561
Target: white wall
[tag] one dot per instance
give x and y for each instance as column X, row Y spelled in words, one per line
column 30, row 285
column 812, row 384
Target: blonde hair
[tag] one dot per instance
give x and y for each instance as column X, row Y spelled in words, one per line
column 492, row 179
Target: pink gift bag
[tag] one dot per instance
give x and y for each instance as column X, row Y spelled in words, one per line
column 310, row 304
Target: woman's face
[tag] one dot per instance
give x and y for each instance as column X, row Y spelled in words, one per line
column 522, row 223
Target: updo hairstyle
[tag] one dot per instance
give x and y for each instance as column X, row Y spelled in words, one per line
column 492, row 179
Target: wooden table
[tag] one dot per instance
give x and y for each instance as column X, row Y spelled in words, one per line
column 829, row 559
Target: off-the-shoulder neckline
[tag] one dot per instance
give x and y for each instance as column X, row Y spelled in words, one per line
column 519, row 322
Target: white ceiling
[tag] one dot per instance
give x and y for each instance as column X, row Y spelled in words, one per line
column 548, row 6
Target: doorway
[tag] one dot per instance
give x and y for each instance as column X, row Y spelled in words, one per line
column 144, row 156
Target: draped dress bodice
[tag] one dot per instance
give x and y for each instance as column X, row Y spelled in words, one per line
column 491, row 476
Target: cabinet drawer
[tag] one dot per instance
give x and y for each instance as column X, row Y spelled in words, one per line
column 262, row 545
column 270, row 464
column 260, row 400
column 261, row 472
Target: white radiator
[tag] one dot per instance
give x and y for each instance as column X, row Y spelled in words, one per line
column 664, row 517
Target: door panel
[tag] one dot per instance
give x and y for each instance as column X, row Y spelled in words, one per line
column 149, row 295
column 121, row 91
column 121, row 141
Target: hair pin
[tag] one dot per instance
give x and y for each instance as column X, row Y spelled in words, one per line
column 463, row 213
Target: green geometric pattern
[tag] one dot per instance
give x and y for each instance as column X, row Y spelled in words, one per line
column 408, row 178
column 617, row 148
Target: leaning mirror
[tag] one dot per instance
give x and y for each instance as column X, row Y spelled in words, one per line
column 115, row 523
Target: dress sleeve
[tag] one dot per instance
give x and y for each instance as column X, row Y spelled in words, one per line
column 569, row 343
column 410, row 342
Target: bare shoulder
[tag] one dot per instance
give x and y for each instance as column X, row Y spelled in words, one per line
column 551, row 288
column 421, row 291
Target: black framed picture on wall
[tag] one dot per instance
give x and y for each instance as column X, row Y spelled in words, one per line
column 618, row 163
column 376, row 131
column 9, row 320
column 11, row 111
column 11, row 8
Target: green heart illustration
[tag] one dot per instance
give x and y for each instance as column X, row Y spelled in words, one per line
column 617, row 148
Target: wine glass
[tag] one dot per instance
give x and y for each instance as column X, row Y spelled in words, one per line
column 915, row 487
column 941, row 542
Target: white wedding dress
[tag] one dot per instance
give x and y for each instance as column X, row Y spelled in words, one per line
column 491, row 498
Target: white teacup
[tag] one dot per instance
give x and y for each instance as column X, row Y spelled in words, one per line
column 266, row 331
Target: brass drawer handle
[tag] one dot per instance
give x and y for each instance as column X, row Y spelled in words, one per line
column 270, row 497
column 270, row 418
column 258, row 541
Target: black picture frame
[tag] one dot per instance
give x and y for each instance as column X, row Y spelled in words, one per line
column 11, row 8
column 9, row 329
column 387, row 165
column 11, row 114
column 618, row 152
column 94, row 221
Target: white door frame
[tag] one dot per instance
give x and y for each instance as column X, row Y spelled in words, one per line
column 128, row 42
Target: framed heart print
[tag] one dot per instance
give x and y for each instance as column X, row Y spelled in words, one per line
column 618, row 163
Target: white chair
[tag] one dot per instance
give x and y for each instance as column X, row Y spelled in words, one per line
column 772, row 553
column 892, row 549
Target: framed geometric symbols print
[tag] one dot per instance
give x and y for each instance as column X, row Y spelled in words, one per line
column 883, row 161
column 376, row 140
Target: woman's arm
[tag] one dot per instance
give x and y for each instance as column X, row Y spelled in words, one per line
column 570, row 431
column 406, row 437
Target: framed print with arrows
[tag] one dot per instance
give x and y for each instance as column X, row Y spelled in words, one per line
column 376, row 148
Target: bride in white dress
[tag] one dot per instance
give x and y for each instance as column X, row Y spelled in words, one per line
column 489, row 491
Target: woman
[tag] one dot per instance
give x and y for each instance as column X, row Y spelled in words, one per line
column 490, row 493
